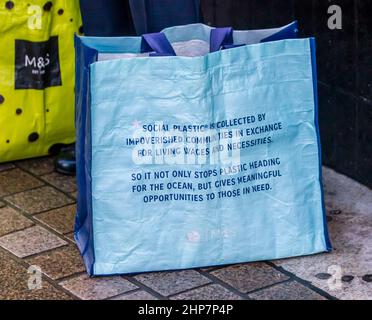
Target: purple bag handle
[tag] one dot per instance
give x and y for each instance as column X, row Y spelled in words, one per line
column 157, row 43
column 221, row 38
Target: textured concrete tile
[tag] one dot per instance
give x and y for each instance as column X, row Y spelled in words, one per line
column 350, row 231
column 12, row 221
column 30, row 241
column 14, row 280
column 169, row 283
column 287, row 291
column 209, row 292
column 59, row 263
column 70, row 236
column 74, row 194
column 62, row 219
column 6, row 166
column 97, row 288
column 60, row 181
column 38, row 166
column 40, row 199
column 136, row 295
column 250, row 276
column 16, row 180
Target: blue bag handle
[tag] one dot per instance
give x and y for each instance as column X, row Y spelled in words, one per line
column 158, row 43
column 291, row 32
column 221, row 37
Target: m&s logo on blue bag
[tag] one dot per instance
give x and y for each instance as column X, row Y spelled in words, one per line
column 37, row 64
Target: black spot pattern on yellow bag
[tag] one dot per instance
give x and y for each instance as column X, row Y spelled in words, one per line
column 33, row 137
column 37, row 72
column 9, row 5
column 48, row 6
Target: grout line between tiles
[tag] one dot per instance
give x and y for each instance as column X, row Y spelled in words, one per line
column 123, row 294
column 67, row 194
column 225, row 285
column 305, row 283
column 145, row 288
column 269, row 286
column 24, row 264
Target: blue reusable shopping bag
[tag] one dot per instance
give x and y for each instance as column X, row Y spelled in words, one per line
column 193, row 161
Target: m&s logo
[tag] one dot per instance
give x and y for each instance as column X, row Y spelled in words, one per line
column 37, row 63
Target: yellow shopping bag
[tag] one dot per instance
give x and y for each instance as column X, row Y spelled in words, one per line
column 37, row 68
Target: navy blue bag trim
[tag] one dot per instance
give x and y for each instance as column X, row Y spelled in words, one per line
column 83, row 230
column 222, row 38
column 316, row 120
column 290, row 32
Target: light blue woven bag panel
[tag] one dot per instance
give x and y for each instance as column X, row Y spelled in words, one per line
column 261, row 95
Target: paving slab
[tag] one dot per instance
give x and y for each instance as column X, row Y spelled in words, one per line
column 208, row 292
column 136, row 295
column 70, row 236
column 62, row 220
column 37, row 166
column 74, row 194
column 16, row 180
column 170, row 283
column 250, row 276
column 342, row 273
column 59, row 263
column 291, row 290
column 39, row 200
column 60, row 181
column 11, row 221
column 15, row 280
column 97, row 288
column 30, row 241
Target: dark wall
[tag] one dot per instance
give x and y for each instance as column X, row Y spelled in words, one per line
column 344, row 69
